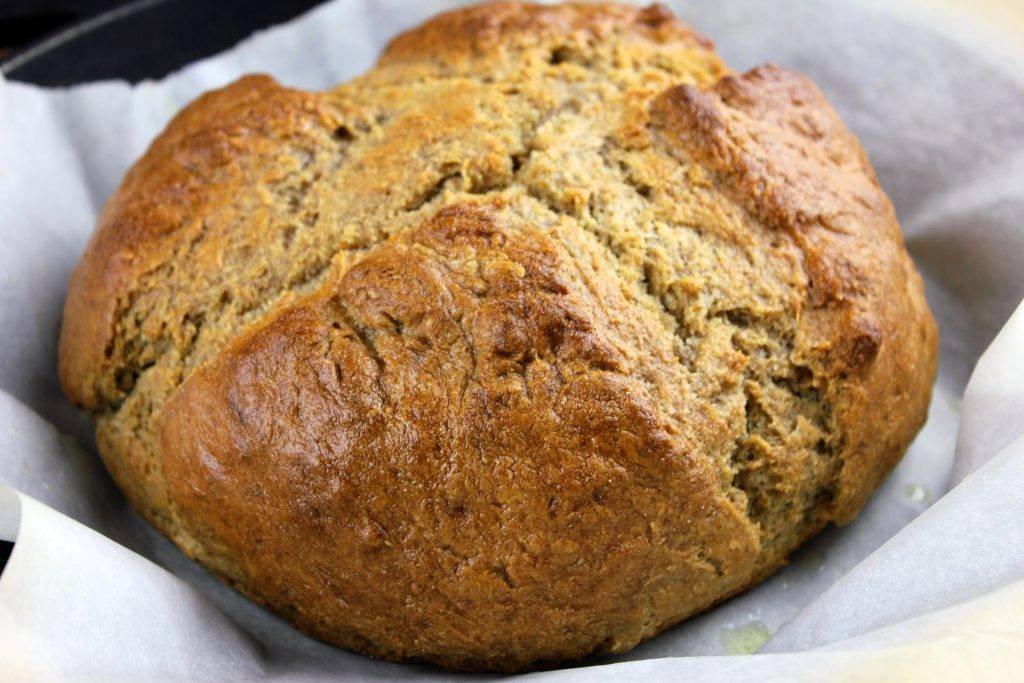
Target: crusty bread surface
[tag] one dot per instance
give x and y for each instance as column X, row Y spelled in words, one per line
column 543, row 335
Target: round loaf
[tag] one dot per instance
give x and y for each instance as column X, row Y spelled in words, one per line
column 545, row 334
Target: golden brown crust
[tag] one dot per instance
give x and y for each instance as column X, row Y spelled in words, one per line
column 196, row 163
column 784, row 153
column 482, row 31
column 541, row 336
column 466, row 368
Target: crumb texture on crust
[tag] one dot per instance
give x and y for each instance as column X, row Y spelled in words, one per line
column 541, row 336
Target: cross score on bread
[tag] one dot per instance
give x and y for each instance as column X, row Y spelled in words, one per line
column 544, row 334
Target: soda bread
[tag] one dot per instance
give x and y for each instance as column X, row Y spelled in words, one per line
column 543, row 335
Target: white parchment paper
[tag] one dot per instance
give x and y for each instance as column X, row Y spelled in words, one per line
column 929, row 581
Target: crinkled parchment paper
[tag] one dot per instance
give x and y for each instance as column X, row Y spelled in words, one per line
column 929, row 580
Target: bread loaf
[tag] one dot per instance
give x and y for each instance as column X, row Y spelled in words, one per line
column 543, row 335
